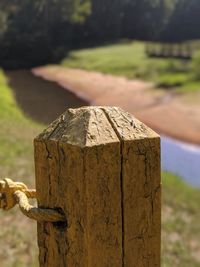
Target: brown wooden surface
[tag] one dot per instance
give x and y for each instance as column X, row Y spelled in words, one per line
column 102, row 168
column 141, row 190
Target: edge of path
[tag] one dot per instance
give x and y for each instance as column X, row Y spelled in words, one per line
column 170, row 118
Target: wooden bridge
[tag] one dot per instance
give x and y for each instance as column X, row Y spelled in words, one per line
column 183, row 50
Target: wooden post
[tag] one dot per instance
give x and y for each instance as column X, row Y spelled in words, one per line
column 101, row 167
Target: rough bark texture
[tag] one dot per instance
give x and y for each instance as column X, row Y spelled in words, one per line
column 102, row 168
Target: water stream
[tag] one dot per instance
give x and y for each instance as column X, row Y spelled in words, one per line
column 181, row 159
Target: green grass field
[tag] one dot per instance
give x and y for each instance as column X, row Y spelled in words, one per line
column 180, row 210
column 130, row 60
column 18, row 235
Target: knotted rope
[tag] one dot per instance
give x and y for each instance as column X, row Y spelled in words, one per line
column 13, row 193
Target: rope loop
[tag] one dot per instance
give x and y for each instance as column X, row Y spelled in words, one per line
column 13, row 193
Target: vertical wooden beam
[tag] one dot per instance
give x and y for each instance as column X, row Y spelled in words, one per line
column 141, row 178
column 101, row 167
column 78, row 170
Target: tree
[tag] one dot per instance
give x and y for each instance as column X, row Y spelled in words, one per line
column 104, row 23
column 3, row 23
column 145, row 19
column 185, row 21
column 32, row 33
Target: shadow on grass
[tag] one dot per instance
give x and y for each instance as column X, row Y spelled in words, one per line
column 41, row 100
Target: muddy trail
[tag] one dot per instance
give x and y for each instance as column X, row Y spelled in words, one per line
column 46, row 92
column 41, row 100
column 170, row 114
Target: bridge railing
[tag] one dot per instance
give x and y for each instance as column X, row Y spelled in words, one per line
column 184, row 50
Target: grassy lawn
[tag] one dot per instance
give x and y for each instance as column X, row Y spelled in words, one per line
column 181, row 228
column 130, row 60
column 180, row 223
column 18, row 234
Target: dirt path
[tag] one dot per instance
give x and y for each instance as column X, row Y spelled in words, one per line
column 41, row 100
column 163, row 111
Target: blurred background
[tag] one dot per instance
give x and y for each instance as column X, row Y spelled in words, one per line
column 141, row 55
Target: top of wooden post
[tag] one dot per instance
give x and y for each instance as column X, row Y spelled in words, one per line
column 91, row 126
column 101, row 167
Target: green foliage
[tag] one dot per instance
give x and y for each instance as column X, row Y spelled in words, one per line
column 122, row 59
column 189, row 87
column 40, row 31
column 68, row 10
column 8, row 107
column 32, row 31
column 126, row 59
column 3, row 23
column 130, row 60
column 195, row 66
column 82, row 8
column 149, row 25
column 17, row 237
column 181, row 233
column 12, row 122
column 171, row 80
column 184, row 21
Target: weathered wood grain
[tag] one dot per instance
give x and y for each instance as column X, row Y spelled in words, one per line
column 100, row 166
column 141, row 189
column 78, row 170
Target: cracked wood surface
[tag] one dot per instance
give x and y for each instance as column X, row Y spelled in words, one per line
column 141, row 190
column 100, row 166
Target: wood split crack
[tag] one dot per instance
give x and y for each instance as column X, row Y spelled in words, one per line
column 121, row 183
